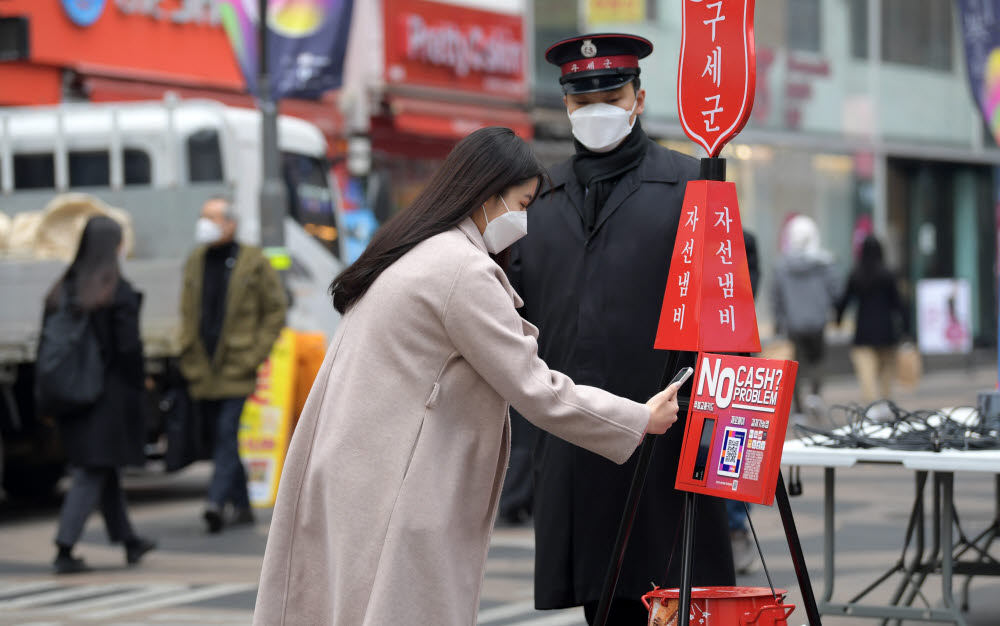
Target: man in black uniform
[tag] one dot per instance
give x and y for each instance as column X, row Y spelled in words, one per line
column 592, row 273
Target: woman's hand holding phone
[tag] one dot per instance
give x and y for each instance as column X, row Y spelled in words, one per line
column 663, row 406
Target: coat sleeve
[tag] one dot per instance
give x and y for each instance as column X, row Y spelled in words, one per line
column 194, row 361
column 128, row 341
column 845, row 298
column 273, row 306
column 480, row 318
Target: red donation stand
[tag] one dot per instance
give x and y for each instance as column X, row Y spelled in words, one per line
column 738, row 411
column 735, row 429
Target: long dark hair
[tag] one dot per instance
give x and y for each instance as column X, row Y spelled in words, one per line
column 91, row 279
column 484, row 164
column 870, row 270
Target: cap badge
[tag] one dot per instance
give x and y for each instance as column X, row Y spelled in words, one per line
column 588, row 49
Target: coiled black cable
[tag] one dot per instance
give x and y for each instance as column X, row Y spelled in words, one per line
column 884, row 424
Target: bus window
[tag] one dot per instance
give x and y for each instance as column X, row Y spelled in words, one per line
column 34, row 171
column 89, row 169
column 138, row 167
column 204, row 157
column 310, row 201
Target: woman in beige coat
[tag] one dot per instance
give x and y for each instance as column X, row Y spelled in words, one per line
column 391, row 483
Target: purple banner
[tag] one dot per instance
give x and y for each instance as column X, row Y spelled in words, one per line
column 307, row 41
column 981, row 33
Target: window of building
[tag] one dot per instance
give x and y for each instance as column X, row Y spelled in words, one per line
column 34, row 171
column 204, row 154
column 90, row 169
column 138, row 167
column 858, row 16
column 804, row 25
column 918, row 32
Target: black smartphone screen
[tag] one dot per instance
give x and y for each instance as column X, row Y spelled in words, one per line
column 704, row 447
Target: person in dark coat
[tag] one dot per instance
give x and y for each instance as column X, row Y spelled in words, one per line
column 592, row 273
column 109, row 434
column 882, row 320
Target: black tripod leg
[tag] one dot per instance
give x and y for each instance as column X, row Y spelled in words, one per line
column 687, row 556
column 795, row 548
column 631, row 506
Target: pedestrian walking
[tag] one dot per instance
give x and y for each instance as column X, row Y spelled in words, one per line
column 882, row 320
column 393, row 476
column 232, row 311
column 804, row 293
column 106, row 434
column 592, row 272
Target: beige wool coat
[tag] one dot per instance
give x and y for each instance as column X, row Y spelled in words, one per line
column 390, row 487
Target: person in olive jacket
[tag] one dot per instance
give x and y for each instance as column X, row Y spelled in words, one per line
column 232, row 311
column 107, row 435
column 592, row 272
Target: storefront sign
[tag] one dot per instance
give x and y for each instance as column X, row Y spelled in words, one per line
column 83, row 12
column 616, row 11
column 185, row 12
column 163, row 40
column 717, row 74
column 708, row 303
column 440, row 45
column 735, row 429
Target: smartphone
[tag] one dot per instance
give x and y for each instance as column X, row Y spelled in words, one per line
column 682, row 375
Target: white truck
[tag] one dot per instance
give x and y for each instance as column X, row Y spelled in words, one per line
column 158, row 161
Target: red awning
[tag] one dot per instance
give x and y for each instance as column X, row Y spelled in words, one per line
column 454, row 121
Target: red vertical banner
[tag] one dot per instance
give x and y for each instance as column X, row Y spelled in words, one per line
column 729, row 317
column 708, row 302
column 680, row 320
column 717, row 72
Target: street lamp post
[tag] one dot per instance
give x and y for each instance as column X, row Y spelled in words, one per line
column 272, row 191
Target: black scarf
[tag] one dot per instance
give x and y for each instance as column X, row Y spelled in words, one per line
column 599, row 172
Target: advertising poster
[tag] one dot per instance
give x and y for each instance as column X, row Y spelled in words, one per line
column 266, row 423
column 735, row 428
column 944, row 316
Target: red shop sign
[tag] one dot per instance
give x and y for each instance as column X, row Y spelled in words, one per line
column 717, row 74
column 432, row 44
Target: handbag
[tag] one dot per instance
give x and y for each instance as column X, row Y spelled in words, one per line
column 909, row 365
column 69, row 369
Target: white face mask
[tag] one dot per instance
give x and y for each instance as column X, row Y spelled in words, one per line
column 206, row 231
column 601, row 127
column 503, row 231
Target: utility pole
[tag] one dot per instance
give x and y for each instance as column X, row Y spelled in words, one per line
column 273, row 202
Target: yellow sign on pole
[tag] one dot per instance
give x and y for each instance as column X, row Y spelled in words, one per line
column 615, row 11
column 266, row 423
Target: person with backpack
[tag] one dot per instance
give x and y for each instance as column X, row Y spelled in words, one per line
column 91, row 326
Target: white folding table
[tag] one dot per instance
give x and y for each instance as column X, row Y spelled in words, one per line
column 944, row 557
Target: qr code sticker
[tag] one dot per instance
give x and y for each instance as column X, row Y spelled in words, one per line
column 731, row 456
column 732, row 451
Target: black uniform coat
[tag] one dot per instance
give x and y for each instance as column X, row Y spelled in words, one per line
column 596, row 301
column 110, row 433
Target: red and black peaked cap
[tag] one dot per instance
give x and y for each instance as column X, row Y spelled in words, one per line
column 598, row 62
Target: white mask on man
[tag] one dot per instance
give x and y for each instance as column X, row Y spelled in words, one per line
column 206, row 231
column 504, row 230
column 601, row 127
